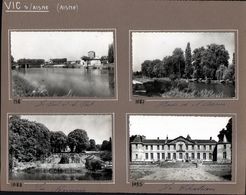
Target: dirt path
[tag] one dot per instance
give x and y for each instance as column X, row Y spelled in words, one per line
column 184, row 174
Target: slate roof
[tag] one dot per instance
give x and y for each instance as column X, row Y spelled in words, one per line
column 167, row 141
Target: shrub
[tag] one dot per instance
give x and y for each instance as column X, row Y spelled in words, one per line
column 93, row 165
column 106, row 156
column 64, row 159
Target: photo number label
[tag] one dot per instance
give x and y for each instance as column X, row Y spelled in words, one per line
column 139, row 101
column 16, row 184
column 17, row 101
column 137, row 184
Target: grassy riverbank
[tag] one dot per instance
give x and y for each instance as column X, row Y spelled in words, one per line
column 181, row 88
column 23, row 88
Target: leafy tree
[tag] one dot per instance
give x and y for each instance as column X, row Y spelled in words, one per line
column 78, row 140
column 227, row 132
column 104, row 59
column 111, row 53
column 197, row 59
column 92, row 146
column 188, row 60
column 146, row 68
column 178, row 61
column 58, row 141
column 107, row 145
column 28, row 140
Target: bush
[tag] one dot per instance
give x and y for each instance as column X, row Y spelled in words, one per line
column 106, row 156
column 93, row 165
column 64, row 159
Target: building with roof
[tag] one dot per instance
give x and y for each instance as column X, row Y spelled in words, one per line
column 179, row 149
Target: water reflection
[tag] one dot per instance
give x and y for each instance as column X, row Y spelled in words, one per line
column 74, row 82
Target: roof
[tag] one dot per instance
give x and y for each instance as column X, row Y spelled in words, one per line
column 168, row 141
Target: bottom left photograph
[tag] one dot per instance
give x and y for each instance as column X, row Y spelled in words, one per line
column 60, row 147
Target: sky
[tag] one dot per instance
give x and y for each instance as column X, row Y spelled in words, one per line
column 98, row 127
column 59, row 44
column 150, row 46
column 198, row 127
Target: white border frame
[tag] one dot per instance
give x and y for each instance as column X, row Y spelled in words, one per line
column 153, row 99
column 234, row 150
column 65, row 182
column 63, row 98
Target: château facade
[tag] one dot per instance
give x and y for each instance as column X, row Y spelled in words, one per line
column 180, row 149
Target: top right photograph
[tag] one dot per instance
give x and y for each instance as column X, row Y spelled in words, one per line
column 184, row 65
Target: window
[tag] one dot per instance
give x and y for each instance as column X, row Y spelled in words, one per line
column 162, row 147
column 192, row 155
column 180, row 155
column 174, row 155
column 146, row 147
column 198, row 147
column 210, row 147
column 146, row 155
column 204, row 156
column 224, row 155
column 168, row 155
column 192, row 147
column 198, row 155
column 210, row 156
column 136, row 156
column 204, row 147
column 151, row 147
column 158, row 147
column 187, row 156
column 158, row 156
column 180, row 146
column 151, row 155
column 163, row 155
column 187, row 147
column 136, row 146
column 174, row 147
column 168, row 147
column 224, row 146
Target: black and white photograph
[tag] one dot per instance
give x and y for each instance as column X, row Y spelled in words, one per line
column 77, row 64
column 185, row 65
column 61, row 147
column 180, row 148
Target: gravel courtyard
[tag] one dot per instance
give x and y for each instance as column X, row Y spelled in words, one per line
column 202, row 173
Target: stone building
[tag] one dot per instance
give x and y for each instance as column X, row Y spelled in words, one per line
column 179, row 149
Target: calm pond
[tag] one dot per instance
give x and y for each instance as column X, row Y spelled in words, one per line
column 76, row 82
column 21, row 175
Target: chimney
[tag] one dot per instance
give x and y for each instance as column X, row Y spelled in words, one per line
column 210, row 138
column 157, row 138
column 166, row 139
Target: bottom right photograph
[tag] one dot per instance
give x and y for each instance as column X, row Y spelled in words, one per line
column 180, row 147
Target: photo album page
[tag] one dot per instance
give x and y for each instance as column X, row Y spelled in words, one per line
column 123, row 96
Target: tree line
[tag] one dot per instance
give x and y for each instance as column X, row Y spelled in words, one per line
column 31, row 141
column 209, row 62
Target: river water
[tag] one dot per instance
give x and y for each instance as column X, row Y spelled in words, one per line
column 75, row 82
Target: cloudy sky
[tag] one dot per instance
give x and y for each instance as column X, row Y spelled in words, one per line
column 198, row 127
column 98, row 127
column 150, row 46
column 70, row 45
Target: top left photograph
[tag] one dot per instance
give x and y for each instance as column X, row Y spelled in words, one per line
column 62, row 64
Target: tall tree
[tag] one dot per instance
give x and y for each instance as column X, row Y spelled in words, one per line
column 188, row 61
column 179, row 62
column 92, row 146
column 58, row 141
column 197, row 59
column 111, row 53
column 78, row 140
